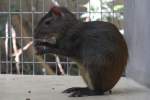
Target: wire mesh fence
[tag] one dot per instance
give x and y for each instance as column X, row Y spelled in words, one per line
column 18, row 19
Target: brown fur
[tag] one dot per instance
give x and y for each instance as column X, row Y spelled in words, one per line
column 98, row 47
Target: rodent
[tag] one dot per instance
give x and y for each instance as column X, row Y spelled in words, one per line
column 98, row 48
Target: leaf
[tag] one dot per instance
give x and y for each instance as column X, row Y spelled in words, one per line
column 118, row 7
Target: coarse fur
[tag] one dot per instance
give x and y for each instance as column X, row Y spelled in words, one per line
column 98, row 48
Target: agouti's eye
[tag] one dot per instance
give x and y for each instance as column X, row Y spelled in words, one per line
column 48, row 21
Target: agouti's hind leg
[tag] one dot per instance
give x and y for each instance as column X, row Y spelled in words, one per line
column 80, row 92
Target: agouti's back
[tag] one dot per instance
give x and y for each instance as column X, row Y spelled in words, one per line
column 104, row 53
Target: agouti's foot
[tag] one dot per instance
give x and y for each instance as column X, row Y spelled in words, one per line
column 110, row 92
column 80, row 92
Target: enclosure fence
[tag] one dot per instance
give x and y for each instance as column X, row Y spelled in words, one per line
column 18, row 18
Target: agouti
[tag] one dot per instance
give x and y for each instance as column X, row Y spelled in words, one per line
column 98, row 48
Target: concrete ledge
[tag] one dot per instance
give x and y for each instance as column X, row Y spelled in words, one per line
column 23, row 87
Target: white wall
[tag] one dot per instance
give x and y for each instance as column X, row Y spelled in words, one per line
column 137, row 33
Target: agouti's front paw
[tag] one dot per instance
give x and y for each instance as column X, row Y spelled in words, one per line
column 80, row 92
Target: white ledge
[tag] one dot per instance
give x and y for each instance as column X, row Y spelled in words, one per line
column 26, row 87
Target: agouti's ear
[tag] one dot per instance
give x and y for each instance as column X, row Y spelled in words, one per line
column 56, row 11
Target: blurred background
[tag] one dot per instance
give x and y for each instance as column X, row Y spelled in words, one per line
column 18, row 19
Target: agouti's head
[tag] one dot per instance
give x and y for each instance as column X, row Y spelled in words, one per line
column 52, row 27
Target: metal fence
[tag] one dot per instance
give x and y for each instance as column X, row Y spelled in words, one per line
column 18, row 19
